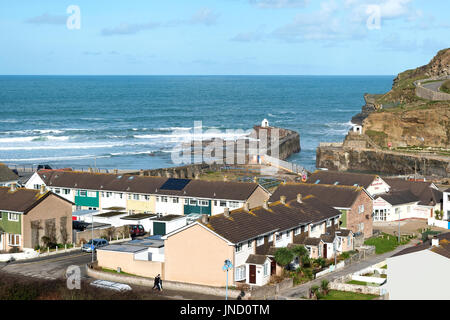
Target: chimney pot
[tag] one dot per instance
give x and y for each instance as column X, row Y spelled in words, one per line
column 283, row 199
column 42, row 189
column 266, row 204
column 226, row 212
column 205, row 218
column 299, row 198
column 246, row 206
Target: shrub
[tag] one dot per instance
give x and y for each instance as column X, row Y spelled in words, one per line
column 283, row 256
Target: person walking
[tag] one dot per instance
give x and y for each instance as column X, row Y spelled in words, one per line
column 156, row 283
column 160, row 284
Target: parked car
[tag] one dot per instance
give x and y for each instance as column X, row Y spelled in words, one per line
column 111, row 285
column 136, row 230
column 96, row 243
column 44, row 166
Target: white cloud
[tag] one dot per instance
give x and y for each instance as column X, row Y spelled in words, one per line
column 280, row 3
column 204, row 16
column 126, row 28
column 48, row 19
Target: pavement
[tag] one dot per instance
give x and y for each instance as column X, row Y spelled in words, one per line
column 302, row 290
column 433, row 85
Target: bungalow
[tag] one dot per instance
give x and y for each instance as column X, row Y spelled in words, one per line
column 144, row 194
column 7, row 176
column 355, row 203
column 248, row 238
column 373, row 183
column 28, row 215
column 409, row 267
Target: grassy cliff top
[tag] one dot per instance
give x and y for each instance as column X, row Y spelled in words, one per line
column 403, row 90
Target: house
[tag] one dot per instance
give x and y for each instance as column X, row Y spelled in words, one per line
column 407, row 199
column 446, row 205
column 7, row 176
column 28, row 215
column 144, row 194
column 409, row 274
column 248, row 238
column 355, row 203
column 373, row 183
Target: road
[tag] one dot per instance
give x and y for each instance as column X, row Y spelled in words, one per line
column 433, row 85
column 303, row 289
column 51, row 267
column 54, row 267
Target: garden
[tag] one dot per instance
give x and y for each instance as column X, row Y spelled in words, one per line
column 387, row 242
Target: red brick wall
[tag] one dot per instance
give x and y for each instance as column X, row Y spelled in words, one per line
column 354, row 218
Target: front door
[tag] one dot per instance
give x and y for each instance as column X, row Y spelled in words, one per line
column 252, row 274
column 325, row 250
column 273, row 266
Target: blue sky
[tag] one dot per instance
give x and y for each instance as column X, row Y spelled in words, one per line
column 222, row 36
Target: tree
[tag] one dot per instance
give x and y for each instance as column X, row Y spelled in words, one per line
column 324, row 285
column 301, row 252
column 439, row 214
column 313, row 291
column 63, row 229
column 283, row 256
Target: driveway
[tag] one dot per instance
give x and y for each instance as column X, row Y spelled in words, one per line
column 303, row 289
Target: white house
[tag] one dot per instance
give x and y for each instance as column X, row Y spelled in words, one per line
column 446, row 205
column 421, row 272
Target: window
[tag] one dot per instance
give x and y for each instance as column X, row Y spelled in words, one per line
column 57, row 190
column 163, row 199
column 203, row 203
column 271, row 237
column 266, row 269
column 175, row 200
column 260, row 241
column 146, row 197
column 102, row 194
column 109, row 194
column 313, row 228
column 120, row 195
column 135, row 197
column 186, row 201
column 192, row 202
column 14, row 240
column 82, row 193
column 279, row 236
column 223, row 203
column 296, row 231
column 328, row 223
column 240, row 273
column 129, row 196
column 239, row 247
column 233, row 204
column 361, row 208
column 157, row 199
column 92, row 194
column 37, row 186
column 66, row 191
column 250, row 244
column 286, row 235
column 13, row 217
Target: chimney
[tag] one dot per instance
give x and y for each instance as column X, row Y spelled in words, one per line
column 13, row 187
column 283, row 199
column 141, row 172
column 42, row 189
column 266, row 205
column 246, row 206
column 205, row 218
column 299, row 198
column 226, row 212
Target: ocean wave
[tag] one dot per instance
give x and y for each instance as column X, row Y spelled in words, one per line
column 190, row 136
column 33, row 138
column 77, row 146
column 89, row 156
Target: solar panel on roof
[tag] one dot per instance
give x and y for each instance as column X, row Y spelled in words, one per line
column 175, row 184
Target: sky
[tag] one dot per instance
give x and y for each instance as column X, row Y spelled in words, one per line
column 220, row 37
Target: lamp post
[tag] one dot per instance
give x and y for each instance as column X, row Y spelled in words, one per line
column 226, row 267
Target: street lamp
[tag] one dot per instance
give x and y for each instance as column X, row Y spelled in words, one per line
column 226, row 267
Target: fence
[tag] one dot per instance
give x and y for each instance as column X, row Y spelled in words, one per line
column 439, row 223
column 285, row 165
column 363, row 253
column 429, row 94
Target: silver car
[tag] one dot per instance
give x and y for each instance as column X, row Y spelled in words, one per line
column 94, row 244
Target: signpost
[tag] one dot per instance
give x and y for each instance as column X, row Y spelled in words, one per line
column 226, row 267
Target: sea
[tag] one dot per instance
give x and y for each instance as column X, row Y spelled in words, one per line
column 137, row 122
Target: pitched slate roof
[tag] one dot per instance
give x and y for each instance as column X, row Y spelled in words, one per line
column 328, row 238
column 22, row 200
column 147, row 184
column 343, row 232
column 312, row 241
column 443, row 248
column 399, row 197
column 335, row 196
column 341, row 178
column 242, row 225
column 6, row 174
column 256, row 259
column 421, row 189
